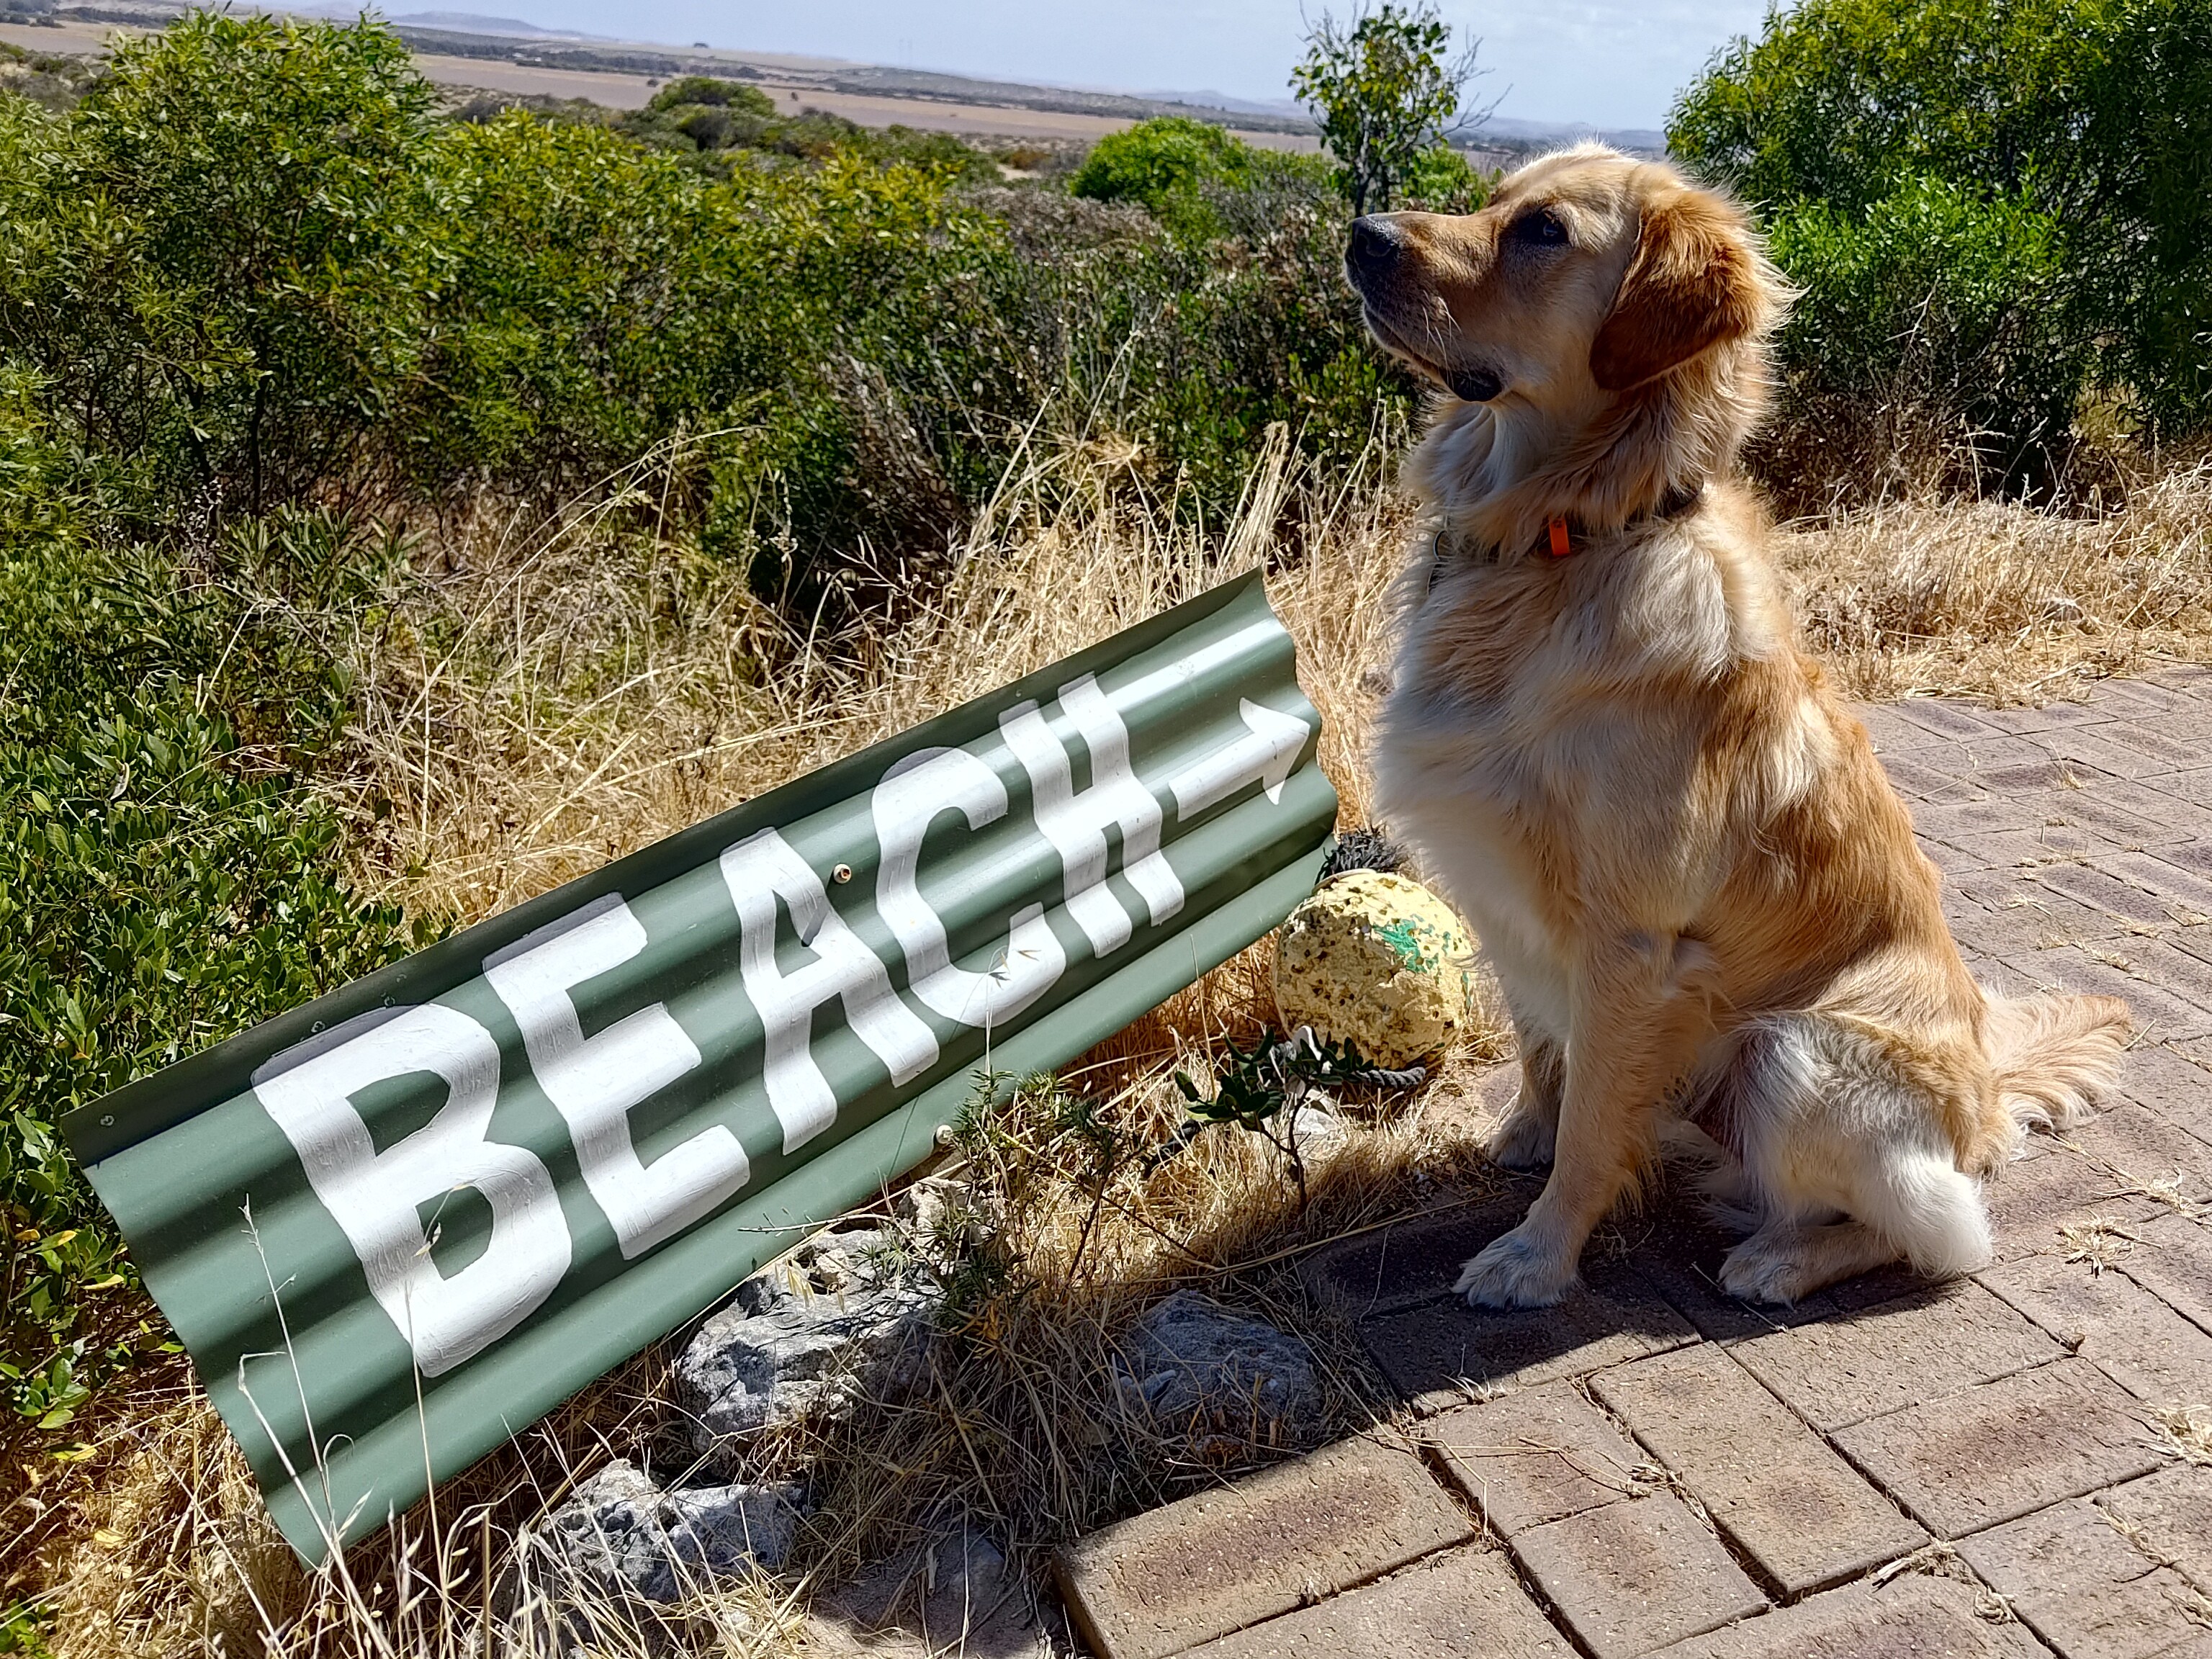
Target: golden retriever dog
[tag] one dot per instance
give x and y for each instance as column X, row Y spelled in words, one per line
column 1698, row 890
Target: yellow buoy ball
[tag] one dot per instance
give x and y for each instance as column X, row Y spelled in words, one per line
column 1378, row 964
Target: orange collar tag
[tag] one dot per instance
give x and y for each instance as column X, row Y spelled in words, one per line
column 1560, row 545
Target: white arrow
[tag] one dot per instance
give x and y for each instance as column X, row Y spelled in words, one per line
column 1265, row 755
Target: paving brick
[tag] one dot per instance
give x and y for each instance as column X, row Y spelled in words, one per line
column 2114, row 811
column 2132, row 699
column 1914, row 1616
column 2160, row 963
column 2159, row 1015
column 1782, row 1498
column 2136, row 1145
column 1958, row 821
column 1998, row 1450
column 1936, row 1340
column 2105, row 892
column 1409, row 1262
column 1891, row 733
column 1534, row 1456
column 2171, row 1256
column 1467, row 1605
column 1913, row 777
column 2111, row 1322
column 2169, row 1083
column 2169, row 1515
column 1947, row 720
column 1630, row 1577
column 1431, row 1351
column 2051, row 1186
column 2162, row 752
column 2078, row 1583
column 2050, row 717
column 1214, row 1563
column 2021, row 927
column 2185, row 892
column 2028, row 848
column 2095, row 747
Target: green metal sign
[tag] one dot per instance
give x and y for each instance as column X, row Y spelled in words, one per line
column 396, row 1226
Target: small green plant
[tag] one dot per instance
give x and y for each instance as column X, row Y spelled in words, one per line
column 24, row 1629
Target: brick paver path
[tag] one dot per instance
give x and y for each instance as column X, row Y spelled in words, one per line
column 1987, row 1467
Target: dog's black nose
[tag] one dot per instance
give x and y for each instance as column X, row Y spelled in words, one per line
column 1375, row 243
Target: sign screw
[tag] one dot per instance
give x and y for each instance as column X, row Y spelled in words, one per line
column 841, row 874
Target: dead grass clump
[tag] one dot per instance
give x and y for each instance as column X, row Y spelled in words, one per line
column 1997, row 601
column 563, row 697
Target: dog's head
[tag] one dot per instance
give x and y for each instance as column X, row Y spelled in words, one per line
column 1586, row 275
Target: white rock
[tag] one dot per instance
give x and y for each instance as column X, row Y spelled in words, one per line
column 621, row 1535
column 839, row 1319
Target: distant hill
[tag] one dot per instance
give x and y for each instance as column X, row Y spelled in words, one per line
column 469, row 22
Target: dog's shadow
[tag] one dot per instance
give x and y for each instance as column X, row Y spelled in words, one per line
column 1649, row 1282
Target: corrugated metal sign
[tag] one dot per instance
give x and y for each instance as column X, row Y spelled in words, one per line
column 398, row 1224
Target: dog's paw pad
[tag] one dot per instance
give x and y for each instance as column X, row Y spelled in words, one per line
column 1512, row 1272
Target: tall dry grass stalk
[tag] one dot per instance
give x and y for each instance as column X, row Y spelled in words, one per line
column 567, row 696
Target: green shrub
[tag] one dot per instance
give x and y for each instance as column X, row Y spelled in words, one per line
column 2078, row 126
column 704, row 89
column 1937, row 296
column 164, row 880
column 214, row 260
column 1440, row 179
column 1163, row 166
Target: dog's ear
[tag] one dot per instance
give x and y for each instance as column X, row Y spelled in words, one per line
column 1693, row 283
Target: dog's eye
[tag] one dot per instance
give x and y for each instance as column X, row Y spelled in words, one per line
column 1541, row 227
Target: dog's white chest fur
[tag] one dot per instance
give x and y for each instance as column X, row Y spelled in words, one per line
column 1540, row 712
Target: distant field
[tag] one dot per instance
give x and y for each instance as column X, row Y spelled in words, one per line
column 617, row 90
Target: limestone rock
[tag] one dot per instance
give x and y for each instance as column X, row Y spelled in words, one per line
column 622, row 1534
column 839, row 1319
column 1377, row 962
column 1190, row 1361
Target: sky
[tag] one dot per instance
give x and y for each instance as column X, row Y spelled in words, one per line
column 1608, row 62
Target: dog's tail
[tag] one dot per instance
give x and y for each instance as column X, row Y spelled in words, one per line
column 2053, row 1056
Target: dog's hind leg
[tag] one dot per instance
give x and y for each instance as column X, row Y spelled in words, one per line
column 1786, row 1259
column 1835, row 1129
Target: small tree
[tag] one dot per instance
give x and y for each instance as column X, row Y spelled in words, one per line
column 1386, row 91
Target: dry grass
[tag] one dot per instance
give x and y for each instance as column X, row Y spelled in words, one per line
column 547, row 698
column 559, row 697
column 1997, row 600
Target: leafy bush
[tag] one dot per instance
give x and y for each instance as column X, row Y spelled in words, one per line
column 212, row 259
column 1935, row 302
column 2072, row 131
column 727, row 123
column 1163, row 166
column 163, row 882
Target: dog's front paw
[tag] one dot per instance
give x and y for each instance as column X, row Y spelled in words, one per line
column 1762, row 1271
column 1515, row 1272
column 1523, row 1139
